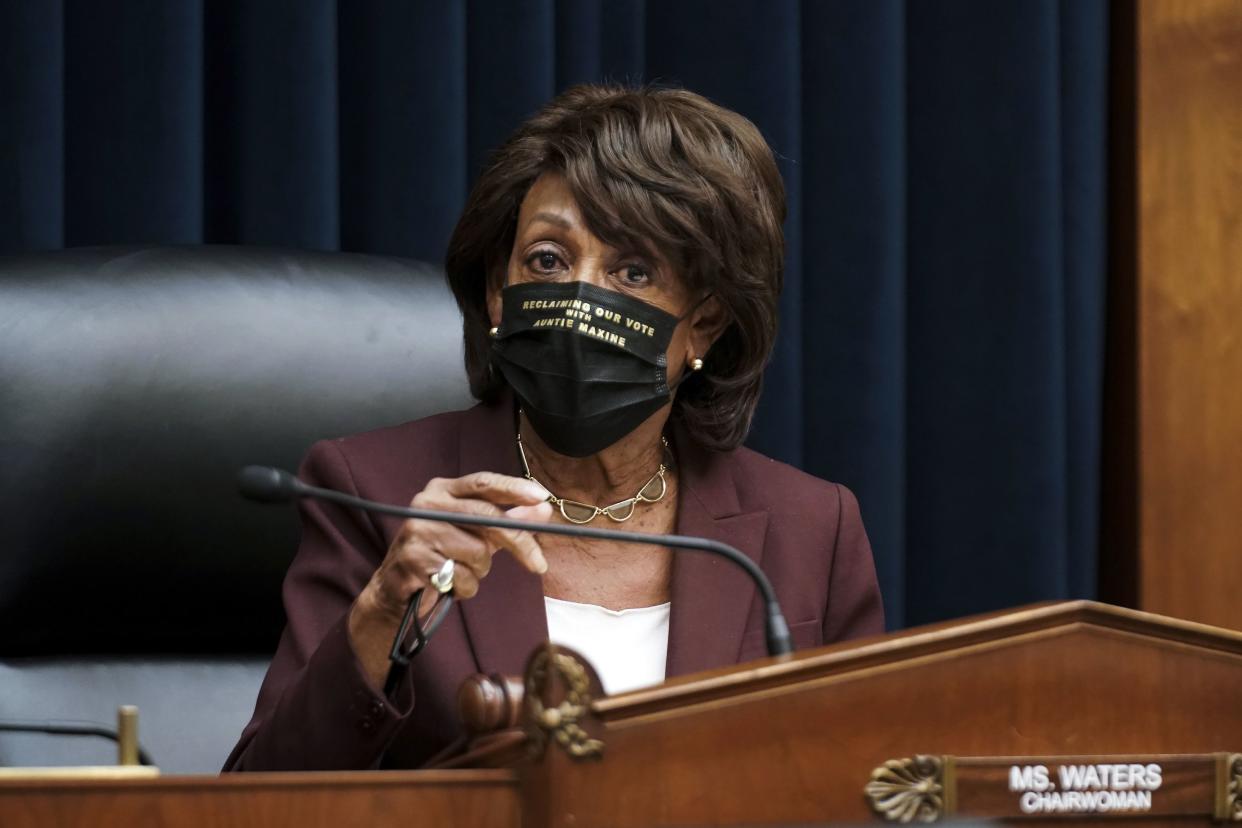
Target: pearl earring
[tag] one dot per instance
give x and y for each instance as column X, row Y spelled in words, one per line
column 696, row 364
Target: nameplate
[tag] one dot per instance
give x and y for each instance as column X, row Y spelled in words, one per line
column 929, row 788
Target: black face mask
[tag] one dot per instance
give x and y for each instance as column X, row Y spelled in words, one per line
column 588, row 364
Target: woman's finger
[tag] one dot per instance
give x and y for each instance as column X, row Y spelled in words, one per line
column 520, row 543
column 465, row 583
column 500, row 489
column 468, row 549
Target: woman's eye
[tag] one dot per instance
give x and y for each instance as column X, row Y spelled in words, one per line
column 544, row 261
column 635, row 275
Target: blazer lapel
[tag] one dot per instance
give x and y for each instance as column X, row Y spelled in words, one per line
column 506, row 620
column 712, row 599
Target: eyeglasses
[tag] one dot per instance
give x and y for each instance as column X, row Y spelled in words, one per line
column 423, row 628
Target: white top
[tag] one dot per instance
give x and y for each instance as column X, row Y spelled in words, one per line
column 628, row 648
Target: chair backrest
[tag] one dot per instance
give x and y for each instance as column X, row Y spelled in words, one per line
column 134, row 383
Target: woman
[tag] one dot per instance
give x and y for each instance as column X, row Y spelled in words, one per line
column 618, row 267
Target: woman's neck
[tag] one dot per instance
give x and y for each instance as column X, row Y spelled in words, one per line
column 613, row 474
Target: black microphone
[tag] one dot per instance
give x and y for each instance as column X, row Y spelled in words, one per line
column 267, row 485
column 273, row 485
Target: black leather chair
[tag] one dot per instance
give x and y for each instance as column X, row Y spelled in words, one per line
column 134, row 382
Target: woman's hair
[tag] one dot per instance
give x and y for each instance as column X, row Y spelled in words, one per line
column 649, row 168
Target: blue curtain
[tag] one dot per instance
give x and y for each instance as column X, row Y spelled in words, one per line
column 942, row 332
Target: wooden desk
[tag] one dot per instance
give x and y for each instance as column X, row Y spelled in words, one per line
column 375, row 799
column 786, row 742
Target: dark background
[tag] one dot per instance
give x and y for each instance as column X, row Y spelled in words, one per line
column 943, row 324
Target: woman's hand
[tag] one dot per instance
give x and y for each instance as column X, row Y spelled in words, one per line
column 421, row 547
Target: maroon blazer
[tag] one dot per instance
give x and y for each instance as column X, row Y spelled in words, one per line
column 316, row 709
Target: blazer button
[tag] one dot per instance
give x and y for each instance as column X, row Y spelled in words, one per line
column 377, row 709
column 366, row 725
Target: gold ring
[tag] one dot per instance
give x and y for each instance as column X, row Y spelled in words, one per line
column 442, row 580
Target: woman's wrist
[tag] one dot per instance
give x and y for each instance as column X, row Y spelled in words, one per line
column 371, row 630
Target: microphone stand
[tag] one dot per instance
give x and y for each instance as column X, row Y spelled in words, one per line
column 269, row 484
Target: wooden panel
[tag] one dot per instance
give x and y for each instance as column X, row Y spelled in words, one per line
column 789, row 741
column 296, row 800
column 1189, row 144
column 794, row 742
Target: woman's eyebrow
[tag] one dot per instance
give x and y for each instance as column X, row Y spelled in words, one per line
column 552, row 218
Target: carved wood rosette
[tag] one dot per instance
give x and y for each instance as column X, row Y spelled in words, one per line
column 1231, row 809
column 908, row 790
column 558, row 698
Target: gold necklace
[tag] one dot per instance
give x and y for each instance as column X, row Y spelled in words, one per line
column 577, row 512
